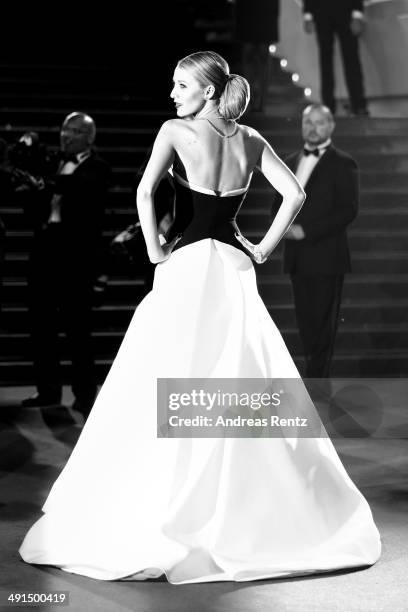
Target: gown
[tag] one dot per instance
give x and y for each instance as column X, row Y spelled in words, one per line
column 199, row 509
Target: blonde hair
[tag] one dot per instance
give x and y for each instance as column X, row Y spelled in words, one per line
column 231, row 90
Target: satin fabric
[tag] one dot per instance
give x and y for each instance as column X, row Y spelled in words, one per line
column 198, row 510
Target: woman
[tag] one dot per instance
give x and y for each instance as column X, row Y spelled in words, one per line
column 130, row 504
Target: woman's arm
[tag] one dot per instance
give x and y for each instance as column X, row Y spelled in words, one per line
column 285, row 182
column 160, row 161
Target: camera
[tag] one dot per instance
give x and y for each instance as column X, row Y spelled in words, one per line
column 29, row 163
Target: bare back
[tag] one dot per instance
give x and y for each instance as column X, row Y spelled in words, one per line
column 222, row 162
column 213, row 159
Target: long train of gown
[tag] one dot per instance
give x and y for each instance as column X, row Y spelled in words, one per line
column 199, row 509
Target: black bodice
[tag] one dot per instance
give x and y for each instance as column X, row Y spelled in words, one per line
column 201, row 215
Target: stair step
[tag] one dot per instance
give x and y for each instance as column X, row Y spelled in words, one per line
column 15, row 291
column 362, row 240
column 362, row 262
column 122, row 203
column 120, row 155
column 352, row 312
column 281, row 140
column 368, row 363
column 107, row 103
column 16, row 346
column 391, row 220
column 355, row 312
column 273, row 289
column 137, row 113
column 383, row 126
column 356, row 287
column 366, row 174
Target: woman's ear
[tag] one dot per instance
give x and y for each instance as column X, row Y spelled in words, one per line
column 209, row 92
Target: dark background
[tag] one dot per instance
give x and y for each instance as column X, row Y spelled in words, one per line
column 143, row 42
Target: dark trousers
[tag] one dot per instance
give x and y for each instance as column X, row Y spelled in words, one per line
column 327, row 29
column 60, row 298
column 317, row 304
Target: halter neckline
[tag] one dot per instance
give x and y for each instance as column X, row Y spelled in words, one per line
column 214, row 127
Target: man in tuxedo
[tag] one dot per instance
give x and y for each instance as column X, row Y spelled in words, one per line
column 64, row 262
column 344, row 19
column 316, row 252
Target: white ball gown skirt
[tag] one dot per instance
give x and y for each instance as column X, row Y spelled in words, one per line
column 197, row 509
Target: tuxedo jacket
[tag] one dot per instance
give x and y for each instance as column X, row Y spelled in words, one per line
column 332, row 194
column 83, row 198
column 323, row 8
column 82, row 207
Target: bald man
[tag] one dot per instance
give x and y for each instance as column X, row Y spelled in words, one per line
column 316, row 252
column 63, row 266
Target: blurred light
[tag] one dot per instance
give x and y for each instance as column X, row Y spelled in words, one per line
column 295, row 77
column 283, row 63
column 272, row 49
column 308, row 92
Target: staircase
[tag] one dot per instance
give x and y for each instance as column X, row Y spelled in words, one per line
column 372, row 339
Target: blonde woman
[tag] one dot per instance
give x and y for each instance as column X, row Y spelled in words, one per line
column 133, row 505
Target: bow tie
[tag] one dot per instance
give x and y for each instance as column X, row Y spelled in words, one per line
column 315, row 152
column 69, row 158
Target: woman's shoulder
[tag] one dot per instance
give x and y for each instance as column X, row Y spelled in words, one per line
column 173, row 129
column 176, row 124
column 252, row 138
column 250, row 133
column 248, row 130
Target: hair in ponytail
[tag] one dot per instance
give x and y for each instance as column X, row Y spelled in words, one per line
column 234, row 98
column 231, row 90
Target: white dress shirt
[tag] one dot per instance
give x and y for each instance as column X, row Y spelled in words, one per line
column 65, row 168
column 307, row 163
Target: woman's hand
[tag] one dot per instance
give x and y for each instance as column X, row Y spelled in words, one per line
column 166, row 249
column 253, row 249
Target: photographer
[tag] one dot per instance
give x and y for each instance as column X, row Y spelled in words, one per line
column 26, row 168
column 30, row 164
column 30, row 167
column 66, row 208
